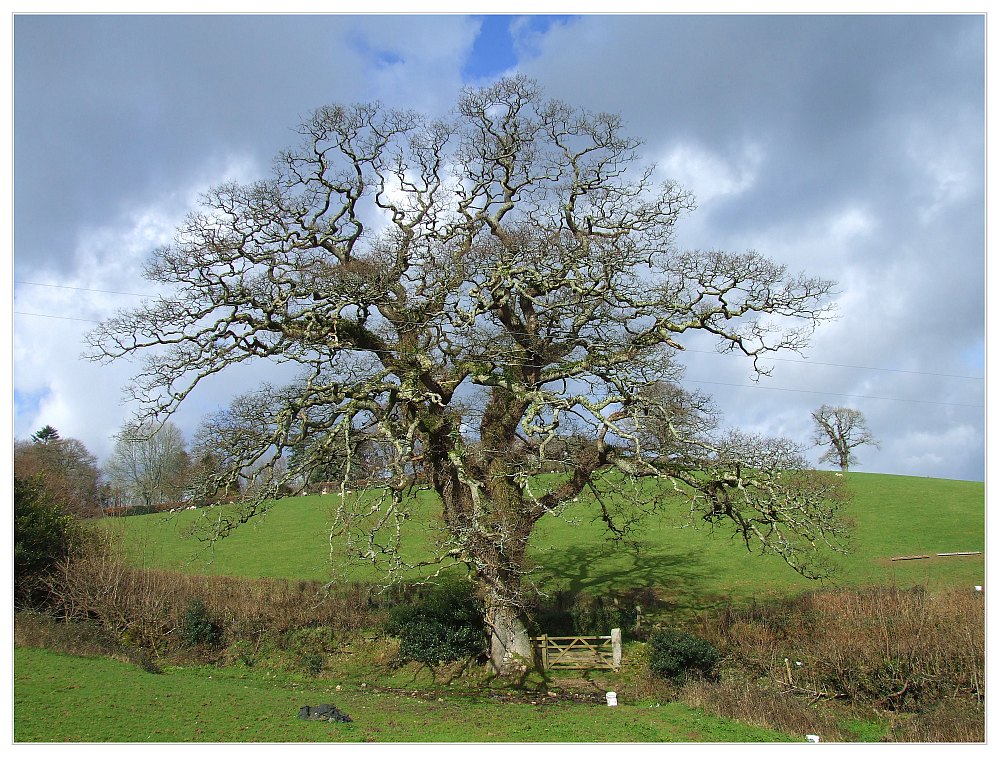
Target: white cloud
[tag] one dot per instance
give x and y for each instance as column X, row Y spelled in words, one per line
column 710, row 175
column 412, row 61
column 942, row 162
column 55, row 384
column 850, row 224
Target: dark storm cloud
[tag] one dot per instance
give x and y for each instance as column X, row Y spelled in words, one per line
column 117, row 110
column 821, row 95
column 113, row 109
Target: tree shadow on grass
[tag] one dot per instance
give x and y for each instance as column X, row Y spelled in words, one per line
column 680, row 579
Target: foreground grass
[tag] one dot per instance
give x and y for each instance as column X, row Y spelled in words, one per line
column 60, row 698
column 693, row 568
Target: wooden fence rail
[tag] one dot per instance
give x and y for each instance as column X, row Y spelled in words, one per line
column 580, row 652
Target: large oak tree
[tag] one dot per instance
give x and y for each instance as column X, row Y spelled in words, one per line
column 479, row 299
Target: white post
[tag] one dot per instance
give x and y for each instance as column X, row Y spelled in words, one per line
column 616, row 648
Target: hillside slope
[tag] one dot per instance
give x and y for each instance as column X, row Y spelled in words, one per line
column 895, row 516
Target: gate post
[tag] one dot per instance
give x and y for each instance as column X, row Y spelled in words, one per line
column 616, row 648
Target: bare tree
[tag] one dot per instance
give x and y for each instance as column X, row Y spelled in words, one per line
column 841, row 430
column 463, row 291
column 149, row 463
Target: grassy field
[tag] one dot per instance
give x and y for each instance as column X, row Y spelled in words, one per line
column 694, row 567
column 82, row 699
column 59, row 698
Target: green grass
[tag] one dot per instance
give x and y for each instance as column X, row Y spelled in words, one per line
column 693, row 567
column 291, row 540
column 59, row 698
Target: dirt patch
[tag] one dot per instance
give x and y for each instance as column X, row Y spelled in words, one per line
column 551, row 696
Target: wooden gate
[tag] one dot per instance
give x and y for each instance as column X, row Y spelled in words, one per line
column 580, row 652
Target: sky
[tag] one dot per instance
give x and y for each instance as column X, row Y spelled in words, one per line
column 850, row 147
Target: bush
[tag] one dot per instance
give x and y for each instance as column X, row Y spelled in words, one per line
column 673, row 654
column 446, row 625
column 198, row 626
column 43, row 535
column 570, row 613
column 596, row 616
column 887, row 647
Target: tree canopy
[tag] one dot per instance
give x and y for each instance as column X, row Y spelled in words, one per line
column 66, row 468
column 149, row 464
column 480, row 299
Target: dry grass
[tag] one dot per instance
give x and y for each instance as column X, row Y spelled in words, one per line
column 145, row 609
column 766, row 706
column 912, row 659
column 952, row 721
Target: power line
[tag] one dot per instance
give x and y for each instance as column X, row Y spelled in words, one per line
column 804, row 361
column 832, row 394
column 695, row 381
column 82, row 289
column 801, row 361
column 60, row 317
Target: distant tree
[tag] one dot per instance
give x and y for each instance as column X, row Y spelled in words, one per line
column 678, row 421
column 149, row 463
column 233, row 443
column 464, row 290
column 367, row 459
column 841, row 430
column 206, row 467
column 45, row 435
column 68, row 471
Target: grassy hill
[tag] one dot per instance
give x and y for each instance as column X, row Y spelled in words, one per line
column 255, row 698
column 693, row 567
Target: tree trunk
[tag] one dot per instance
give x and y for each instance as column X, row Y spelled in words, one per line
column 510, row 644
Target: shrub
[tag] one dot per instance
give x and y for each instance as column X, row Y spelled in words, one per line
column 43, row 535
column 198, row 626
column 311, row 662
column 596, row 616
column 673, row 654
column 83, row 638
column 446, row 625
column 892, row 648
column 570, row 613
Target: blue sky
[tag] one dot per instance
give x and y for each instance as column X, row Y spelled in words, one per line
column 494, row 51
column 851, row 147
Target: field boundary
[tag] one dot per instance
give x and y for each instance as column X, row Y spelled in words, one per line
column 939, row 554
column 579, row 652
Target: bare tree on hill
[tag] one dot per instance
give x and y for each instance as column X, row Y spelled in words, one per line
column 477, row 296
column 841, row 430
column 149, row 464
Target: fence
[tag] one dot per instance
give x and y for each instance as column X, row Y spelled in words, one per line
column 580, row 652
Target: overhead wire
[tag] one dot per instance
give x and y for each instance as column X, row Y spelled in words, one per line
column 60, row 317
column 803, row 361
column 806, row 361
column 832, row 394
column 82, row 289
